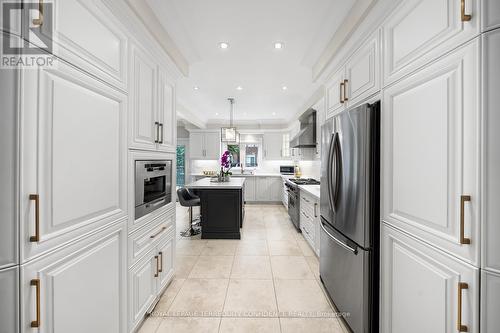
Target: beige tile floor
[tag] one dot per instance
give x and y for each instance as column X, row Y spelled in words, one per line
column 266, row 282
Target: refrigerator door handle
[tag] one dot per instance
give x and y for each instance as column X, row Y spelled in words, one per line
column 329, row 172
column 335, row 155
column 344, row 245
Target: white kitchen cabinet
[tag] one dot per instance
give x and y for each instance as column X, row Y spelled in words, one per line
column 356, row 80
column 166, row 112
column 490, row 301
column 9, row 230
column 250, row 189
column 268, row 189
column 430, row 162
column 490, row 14
column 284, row 193
column 423, row 289
column 273, row 146
column 320, row 108
column 73, row 157
column 9, row 300
column 80, row 289
column 418, row 31
column 205, row 145
column 88, row 36
column 310, row 219
column 491, row 153
column 148, row 278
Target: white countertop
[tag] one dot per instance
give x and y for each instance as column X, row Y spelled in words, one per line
column 311, row 189
column 239, row 175
column 234, row 183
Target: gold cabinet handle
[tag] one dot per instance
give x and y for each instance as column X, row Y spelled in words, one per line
column 36, row 199
column 460, row 327
column 463, row 200
column 341, row 90
column 39, row 20
column 161, row 261
column 36, row 284
column 159, row 232
column 465, row 17
column 157, row 263
column 345, row 90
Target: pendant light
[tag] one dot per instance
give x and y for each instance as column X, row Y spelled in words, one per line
column 229, row 134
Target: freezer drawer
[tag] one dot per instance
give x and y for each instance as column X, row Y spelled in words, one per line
column 9, row 300
column 344, row 270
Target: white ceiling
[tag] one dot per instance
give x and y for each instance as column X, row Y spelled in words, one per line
column 251, row 28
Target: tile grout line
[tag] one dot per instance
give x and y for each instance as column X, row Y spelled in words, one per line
column 227, row 291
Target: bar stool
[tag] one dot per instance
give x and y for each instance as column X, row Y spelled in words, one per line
column 188, row 199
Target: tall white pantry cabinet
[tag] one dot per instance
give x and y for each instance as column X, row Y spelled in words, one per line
column 440, row 186
column 70, row 248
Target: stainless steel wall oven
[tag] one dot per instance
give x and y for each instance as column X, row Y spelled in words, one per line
column 153, row 186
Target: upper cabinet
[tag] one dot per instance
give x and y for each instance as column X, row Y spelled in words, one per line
column 73, row 157
column 419, row 31
column 87, row 35
column 491, row 153
column 430, row 162
column 358, row 79
column 490, row 14
column 275, row 147
column 152, row 106
column 204, row 145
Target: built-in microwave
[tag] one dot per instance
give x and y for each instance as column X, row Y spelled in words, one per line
column 287, row 169
column 153, row 186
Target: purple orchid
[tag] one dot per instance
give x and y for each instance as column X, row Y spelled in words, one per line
column 225, row 161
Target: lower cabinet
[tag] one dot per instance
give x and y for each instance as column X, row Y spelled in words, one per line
column 250, row 189
column 309, row 220
column 9, row 300
column 80, row 288
column 490, row 301
column 424, row 289
column 268, row 189
column 148, row 277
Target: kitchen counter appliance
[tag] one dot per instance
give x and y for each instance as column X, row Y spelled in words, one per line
column 292, row 185
column 350, row 218
column 153, row 186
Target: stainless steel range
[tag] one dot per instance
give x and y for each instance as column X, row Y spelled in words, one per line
column 292, row 185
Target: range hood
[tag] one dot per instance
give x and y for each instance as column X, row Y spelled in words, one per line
column 306, row 138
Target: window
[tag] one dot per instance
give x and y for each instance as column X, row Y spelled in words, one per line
column 251, row 155
column 181, row 166
column 235, row 154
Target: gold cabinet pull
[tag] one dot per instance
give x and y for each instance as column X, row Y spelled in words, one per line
column 157, row 263
column 159, row 232
column 465, row 17
column 341, row 90
column 345, row 90
column 161, row 261
column 39, row 20
column 36, row 284
column 460, row 327
column 463, row 200
column 36, row 199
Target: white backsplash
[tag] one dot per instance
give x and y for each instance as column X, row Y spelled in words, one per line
column 311, row 169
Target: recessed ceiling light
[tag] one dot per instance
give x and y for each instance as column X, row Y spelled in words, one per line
column 284, row 87
column 217, row 113
column 274, row 113
column 239, row 88
column 196, row 88
column 223, row 45
column 278, row 45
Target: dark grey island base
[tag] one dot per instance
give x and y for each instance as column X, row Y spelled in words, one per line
column 222, row 208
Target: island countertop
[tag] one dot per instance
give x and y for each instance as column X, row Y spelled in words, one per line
column 205, row 183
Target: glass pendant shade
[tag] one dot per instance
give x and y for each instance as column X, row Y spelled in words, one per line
column 229, row 134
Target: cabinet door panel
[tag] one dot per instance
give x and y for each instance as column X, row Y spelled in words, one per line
column 166, row 251
column 263, row 192
column 490, row 14
column 196, row 145
column 273, row 146
column 334, row 93
column 430, row 144
column 490, row 301
column 9, row 302
column 143, row 116
column 417, row 279
column 362, row 72
column 82, row 287
column 167, row 116
column 421, row 30
column 88, row 36
column 142, row 286
column 250, row 184
column 80, row 173
column 212, row 145
column 491, row 153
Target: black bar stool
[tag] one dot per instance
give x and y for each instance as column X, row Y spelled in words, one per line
column 188, row 199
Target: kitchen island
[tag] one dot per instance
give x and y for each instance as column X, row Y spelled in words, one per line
column 222, row 207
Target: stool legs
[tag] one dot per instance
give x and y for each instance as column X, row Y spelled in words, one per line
column 191, row 231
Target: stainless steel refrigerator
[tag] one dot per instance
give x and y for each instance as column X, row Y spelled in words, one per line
column 350, row 222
